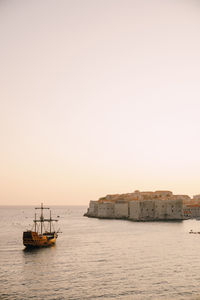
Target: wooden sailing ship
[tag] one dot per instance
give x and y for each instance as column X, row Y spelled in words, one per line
column 40, row 237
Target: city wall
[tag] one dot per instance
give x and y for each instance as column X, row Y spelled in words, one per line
column 145, row 206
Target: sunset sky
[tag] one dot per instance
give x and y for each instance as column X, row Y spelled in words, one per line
column 98, row 97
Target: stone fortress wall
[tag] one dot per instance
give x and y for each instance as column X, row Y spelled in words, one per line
column 145, row 206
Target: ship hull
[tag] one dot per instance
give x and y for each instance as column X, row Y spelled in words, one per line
column 32, row 239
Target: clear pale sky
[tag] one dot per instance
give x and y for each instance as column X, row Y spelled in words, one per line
column 98, row 97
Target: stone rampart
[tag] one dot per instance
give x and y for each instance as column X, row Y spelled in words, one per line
column 146, row 206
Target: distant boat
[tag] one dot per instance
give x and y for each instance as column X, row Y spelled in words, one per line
column 40, row 237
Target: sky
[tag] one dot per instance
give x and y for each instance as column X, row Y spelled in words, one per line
column 98, row 97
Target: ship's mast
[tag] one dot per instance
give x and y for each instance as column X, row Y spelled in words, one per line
column 42, row 219
column 35, row 222
column 50, row 222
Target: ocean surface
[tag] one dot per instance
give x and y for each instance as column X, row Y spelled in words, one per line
column 99, row 259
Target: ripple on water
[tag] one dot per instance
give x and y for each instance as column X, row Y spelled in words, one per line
column 100, row 259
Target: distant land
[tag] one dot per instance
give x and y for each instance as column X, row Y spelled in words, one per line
column 145, row 206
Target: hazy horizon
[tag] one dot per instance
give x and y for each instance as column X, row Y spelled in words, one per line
column 98, row 97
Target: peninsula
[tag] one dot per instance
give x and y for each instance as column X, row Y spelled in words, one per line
column 145, row 206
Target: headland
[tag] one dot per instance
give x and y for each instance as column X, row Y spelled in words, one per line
column 145, row 206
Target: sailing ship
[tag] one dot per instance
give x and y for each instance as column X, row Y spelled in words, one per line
column 40, row 237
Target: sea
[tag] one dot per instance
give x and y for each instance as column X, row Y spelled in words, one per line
column 99, row 259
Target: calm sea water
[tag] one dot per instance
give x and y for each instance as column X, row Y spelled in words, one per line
column 106, row 259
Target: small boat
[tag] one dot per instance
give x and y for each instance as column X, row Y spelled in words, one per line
column 40, row 237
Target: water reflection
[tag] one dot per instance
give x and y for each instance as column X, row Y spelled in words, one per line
column 102, row 259
column 38, row 249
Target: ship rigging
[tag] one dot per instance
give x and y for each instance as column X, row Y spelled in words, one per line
column 40, row 236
